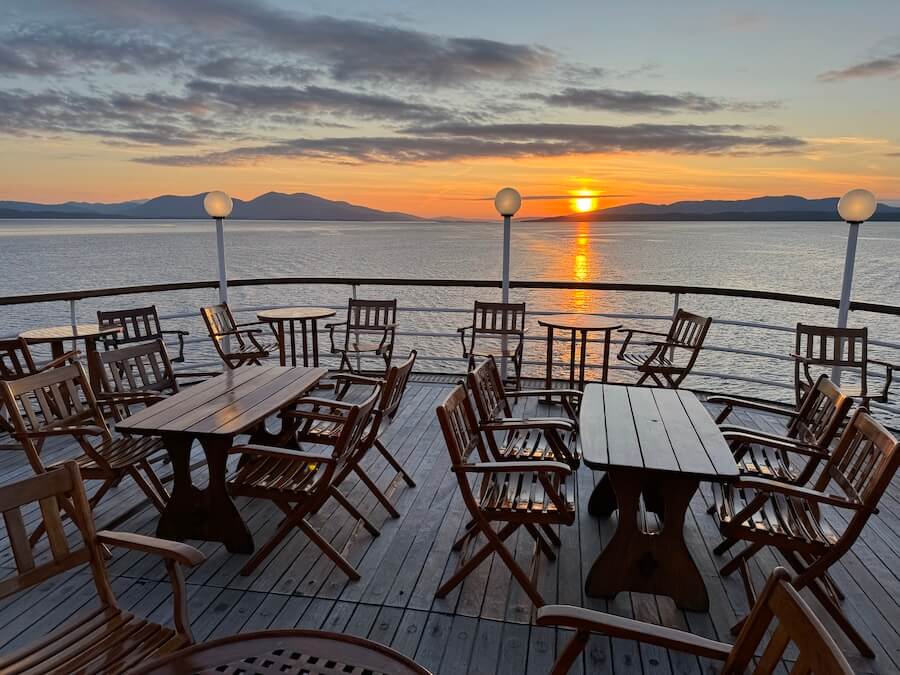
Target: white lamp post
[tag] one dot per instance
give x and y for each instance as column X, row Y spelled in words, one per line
column 507, row 202
column 855, row 208
column 218, row 205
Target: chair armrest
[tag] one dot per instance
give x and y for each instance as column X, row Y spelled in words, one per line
column 358, row 379
column 765, row 485
column 281, row 453
column 172, row 550
column 774, row 408
column 629, row 629
column 773, row 441
column 335, row 324
column 124, row 398
column 246, row 331
column 58, row 361
column 174, row 332
column 642, row 332
column 574, row 393
column 886, row 364
column 463, row 329
column 322, row 402
column 801, row 358
column 529, row 466
column 512, row 423
column 87, row 430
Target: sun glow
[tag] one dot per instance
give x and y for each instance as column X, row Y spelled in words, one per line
column 584, row 204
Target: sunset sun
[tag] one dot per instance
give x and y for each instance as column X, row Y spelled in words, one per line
column 584, row 204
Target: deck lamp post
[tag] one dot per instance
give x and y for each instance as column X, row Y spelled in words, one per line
column 218, row 205
column 507, row 202
column 855, row 208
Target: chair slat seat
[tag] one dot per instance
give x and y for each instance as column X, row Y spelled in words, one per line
column 270, row 476
column 667, row 361
column 518, row 493
column 323, row 432
column 107, row 640
column 123, row 452
column 766, row 463
column 372, row 347
column 265, row 348
column 646, row 358
column 524, row 444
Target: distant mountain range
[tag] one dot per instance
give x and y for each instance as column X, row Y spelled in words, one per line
column 270, row 206
column 759, row 208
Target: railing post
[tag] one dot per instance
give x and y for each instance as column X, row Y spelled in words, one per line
column 353, row 289
column 73, row 321
column 674, row 313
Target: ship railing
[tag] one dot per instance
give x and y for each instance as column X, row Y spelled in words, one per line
column 761, row 375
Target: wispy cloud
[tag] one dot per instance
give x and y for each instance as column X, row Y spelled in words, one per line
column 645, row 102
column 885, row 66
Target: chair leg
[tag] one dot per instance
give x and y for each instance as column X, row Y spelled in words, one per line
column 478, row 557
column 328, row 549
column 379, row 495
column 729, row 568
column 155, row 481
column 284, row 529
column 510, row 560
column 470, row 530
column 353, row 511
column 541, row 542
column 394, row 463
column 840, row 618
column 551, row 535
column 147, row 489
column 571, row 651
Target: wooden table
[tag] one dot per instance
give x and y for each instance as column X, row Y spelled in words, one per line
column 56, row 336
column 578, row 325
column 659, row 444
column 214, row 412
column 285, row 651
column 290, row 316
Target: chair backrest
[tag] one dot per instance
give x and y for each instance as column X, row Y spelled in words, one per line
column 15, row 359
column 140, row 368
column 59, row 397
column 220, row 323
column 862, row 465
column 831, row 347
column 487, row 389
column 822, row 412
column 688, row 329
column 496, row 319
column 140, row 324
column 781, row 618
column 395, row 386
column 61, row 486
column 460, row 428
column 360, row 417
column 373, row 315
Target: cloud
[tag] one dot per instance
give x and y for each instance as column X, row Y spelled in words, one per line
column 349, row 49
column 643, row 102
column 882, row 67
column 448, row 142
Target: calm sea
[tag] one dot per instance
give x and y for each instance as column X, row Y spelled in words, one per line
column 804, row 258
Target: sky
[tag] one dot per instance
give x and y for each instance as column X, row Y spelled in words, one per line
column 431, row 107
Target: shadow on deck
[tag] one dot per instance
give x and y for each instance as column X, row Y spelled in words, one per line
column 484, row 625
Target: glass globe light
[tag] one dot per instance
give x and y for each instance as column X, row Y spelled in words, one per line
column 857, row 206
column 507, row 201
column 217, row 204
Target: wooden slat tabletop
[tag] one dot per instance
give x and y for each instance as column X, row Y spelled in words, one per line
column 665, row 430
column 226, row 405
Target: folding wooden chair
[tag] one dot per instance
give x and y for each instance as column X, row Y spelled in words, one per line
column 135, row 375
column 106, row 639
column 369, row 330
column 788, row 517
column 522, row 437
column 511, row 494
column 669, row 360
column 139, row 324
column 779, row 618
column 496, row 328
column 809, row 431
column 59, row 402
column 237, row 344
column 299, row 483
column 327, row 432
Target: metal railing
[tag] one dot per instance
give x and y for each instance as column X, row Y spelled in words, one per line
column 451, row 356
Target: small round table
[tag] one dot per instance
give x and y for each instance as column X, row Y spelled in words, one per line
column 284, row 651
column 291, row 315
column 57, row 335
column 578, row 325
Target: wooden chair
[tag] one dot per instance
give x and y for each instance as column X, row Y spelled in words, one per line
column 140, row 324
column 299, row 483
column 788, row 517
column 107, row 639
column 369, row 329
column 312, row 652
column 668, row 360
column 511, row 494
column 17, row 361
column 809, row 431
column 497, row 328
column 327, row 432
column 779, row 618
column 522, row 437
column 58, row 403
column 824, row 347
column 140, row 374
column 237, row 344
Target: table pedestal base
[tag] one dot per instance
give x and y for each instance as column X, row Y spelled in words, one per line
column 640, row 561
column 207, row 514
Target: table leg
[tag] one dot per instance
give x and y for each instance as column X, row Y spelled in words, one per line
column 224, row 522
column 305, row 344
column 315, row 342
column 584, row 337
column 293, row 344
column 282, row 355
column 572, row 360
column 642, row 562
column 90, row 346
column 184, row 511
column 548, row 380
column 607, row 338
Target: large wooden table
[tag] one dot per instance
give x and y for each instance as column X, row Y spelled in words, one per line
column 659, row 444
column 214, row 412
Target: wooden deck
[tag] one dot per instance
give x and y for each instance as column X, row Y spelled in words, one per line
column 482, row 627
